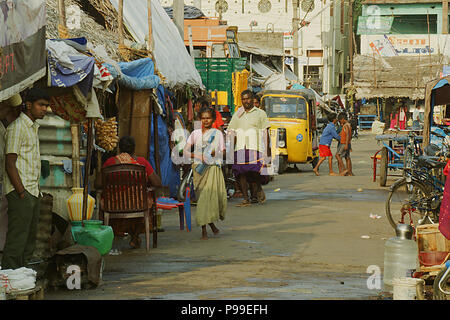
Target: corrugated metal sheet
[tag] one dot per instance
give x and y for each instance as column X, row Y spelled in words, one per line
column 55, row 141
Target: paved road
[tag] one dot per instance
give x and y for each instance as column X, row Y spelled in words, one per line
column 304, row 243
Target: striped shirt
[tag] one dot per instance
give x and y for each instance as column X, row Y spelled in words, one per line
column 22, row 139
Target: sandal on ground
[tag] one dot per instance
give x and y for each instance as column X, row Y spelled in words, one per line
column 244, row 203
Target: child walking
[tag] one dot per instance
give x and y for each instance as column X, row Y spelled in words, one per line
column 345, row 146
column 209, row 183
column 324, row 144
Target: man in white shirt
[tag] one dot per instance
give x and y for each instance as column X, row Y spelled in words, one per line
column 249, row 126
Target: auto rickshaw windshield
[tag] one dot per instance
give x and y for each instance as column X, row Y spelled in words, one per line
column 285, row 107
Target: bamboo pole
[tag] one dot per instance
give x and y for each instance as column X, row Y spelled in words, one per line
column 150, row 30
column 429, row 44
column 87, row 167
column 374, row 71
column 74, row 129
column 62, row 25
column 120, row 17
column 350, row 20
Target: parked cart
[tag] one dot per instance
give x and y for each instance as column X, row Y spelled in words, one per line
column 434, row 259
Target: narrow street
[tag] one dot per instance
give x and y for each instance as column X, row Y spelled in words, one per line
column 306, row 242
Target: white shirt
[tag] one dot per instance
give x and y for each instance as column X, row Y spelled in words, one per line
column 250, row 127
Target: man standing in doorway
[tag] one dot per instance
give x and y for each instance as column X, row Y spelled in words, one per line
column 417, row 118
column 249, row 128
column 23, row 169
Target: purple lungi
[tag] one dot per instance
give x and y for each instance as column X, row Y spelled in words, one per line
column 246, row 160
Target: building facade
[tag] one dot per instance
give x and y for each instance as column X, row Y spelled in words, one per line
column 404, row 28
column 322, row 58
column 403, row 45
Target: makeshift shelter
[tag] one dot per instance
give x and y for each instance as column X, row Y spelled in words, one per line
column 437, row 92
column 386, row 77
column 170, row 55
column 22, row 47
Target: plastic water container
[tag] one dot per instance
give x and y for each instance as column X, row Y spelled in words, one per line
column 401, row 256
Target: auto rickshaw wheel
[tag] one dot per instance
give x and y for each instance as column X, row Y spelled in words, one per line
column 383, row 167
column 282, row 164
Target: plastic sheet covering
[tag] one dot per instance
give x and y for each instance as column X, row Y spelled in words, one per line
column 170, row 176
column 136, row 75
column 169, row 51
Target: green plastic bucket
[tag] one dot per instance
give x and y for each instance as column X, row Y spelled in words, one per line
column 94, row 234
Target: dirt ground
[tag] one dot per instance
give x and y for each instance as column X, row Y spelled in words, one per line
column 312, row 239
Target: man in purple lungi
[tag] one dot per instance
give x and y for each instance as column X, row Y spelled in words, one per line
column 249, row 127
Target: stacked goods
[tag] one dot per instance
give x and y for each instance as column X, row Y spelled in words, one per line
column 107, row 137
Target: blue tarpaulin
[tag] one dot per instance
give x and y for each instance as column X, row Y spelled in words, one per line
column 136, row 75
column 170, row 176
column 82, row 73
column 297, row 86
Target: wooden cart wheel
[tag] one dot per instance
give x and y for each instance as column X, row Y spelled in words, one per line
column 383, row 167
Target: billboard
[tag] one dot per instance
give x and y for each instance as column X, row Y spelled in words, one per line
column 22, row 45
column 405, row 44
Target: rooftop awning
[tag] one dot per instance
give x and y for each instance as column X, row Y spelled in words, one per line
column 257, row 49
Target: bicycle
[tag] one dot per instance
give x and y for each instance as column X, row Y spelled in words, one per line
column 441, row 284
column 416, row 197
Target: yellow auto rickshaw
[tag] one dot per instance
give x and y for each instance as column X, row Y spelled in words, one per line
column 293, row 133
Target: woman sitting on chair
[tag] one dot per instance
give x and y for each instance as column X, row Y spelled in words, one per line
column 133, row 226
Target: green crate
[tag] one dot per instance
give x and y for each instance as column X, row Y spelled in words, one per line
column 217, row 74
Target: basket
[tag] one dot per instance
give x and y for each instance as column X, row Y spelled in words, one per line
column 429, row 238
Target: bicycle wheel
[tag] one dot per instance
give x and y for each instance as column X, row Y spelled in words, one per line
column 407, row 207
column 445, row 285
column 383, row 167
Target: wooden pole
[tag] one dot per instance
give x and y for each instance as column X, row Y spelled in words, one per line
column 62, row 25
column 74, row 129
column 445, row 17
column 251, row 71
column 87, row 167
column 156, row 143
column 295, row 19
column 62, row 13
column 350, row 51
column 374, row 70
column 150, row 30
column 120, row 17
column 429, row 44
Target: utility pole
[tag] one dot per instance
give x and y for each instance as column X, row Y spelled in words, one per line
column 295, row 20
column 350, row 50
column 350, row 35
column 178, row 16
